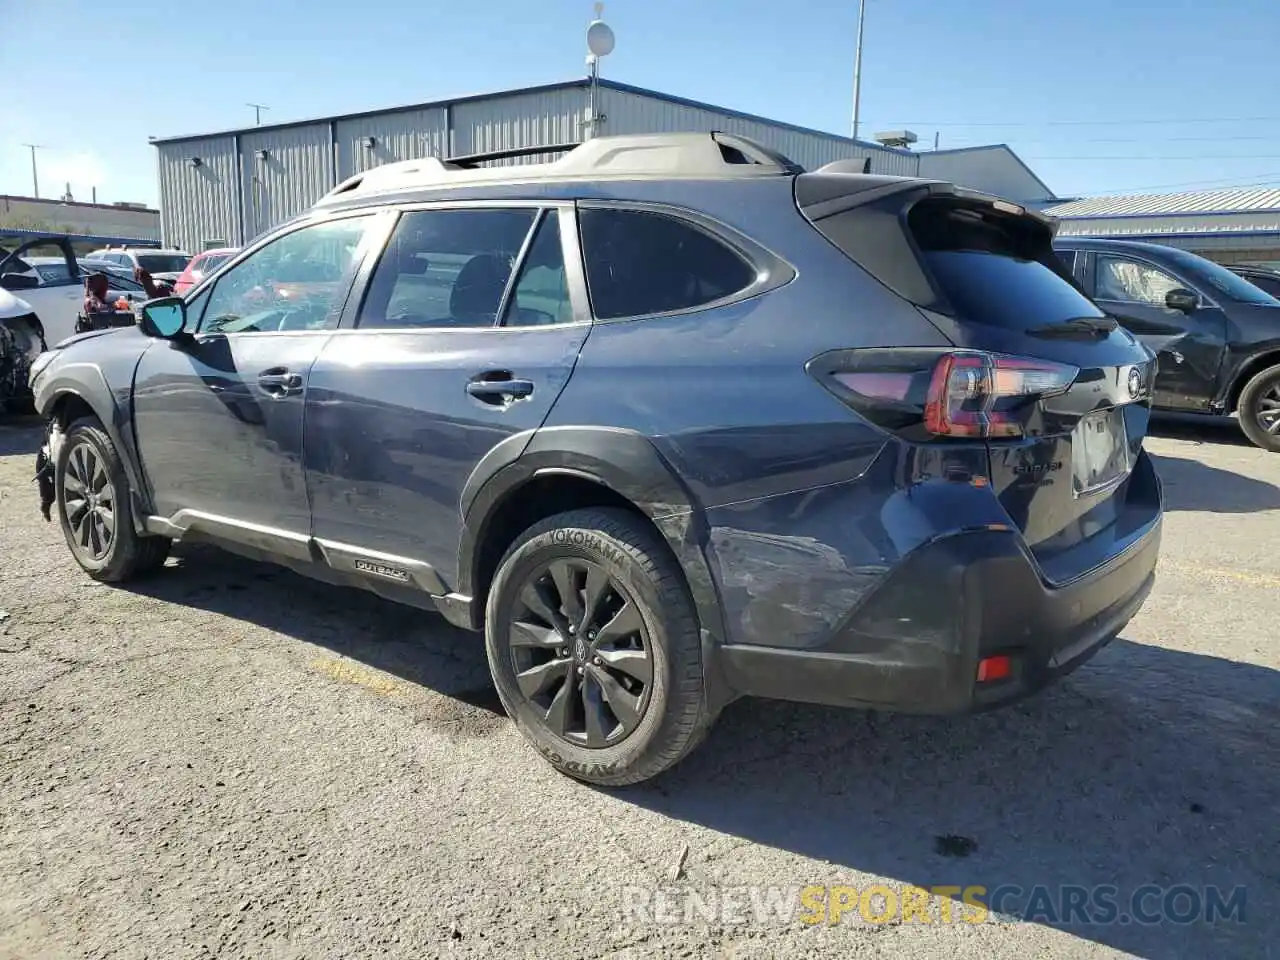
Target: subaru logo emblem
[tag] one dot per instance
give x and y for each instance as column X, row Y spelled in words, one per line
column 1135, row 383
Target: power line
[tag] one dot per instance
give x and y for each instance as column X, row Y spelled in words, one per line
column 1085, row 123
column 1232, row 139
column 1225, row 183
column 1158, row 159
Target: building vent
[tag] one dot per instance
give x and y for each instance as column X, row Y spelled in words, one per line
column 897, row 138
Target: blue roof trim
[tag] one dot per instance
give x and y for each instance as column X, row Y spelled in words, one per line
column 537, row 88
column 78, row 238
column 1162, row 216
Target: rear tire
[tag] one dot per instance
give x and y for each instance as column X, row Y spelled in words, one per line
column 95, row 508
column 617, row 698
column 1259, row 409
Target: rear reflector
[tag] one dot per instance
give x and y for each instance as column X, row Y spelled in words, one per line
column 929, row 393
column 991, row 669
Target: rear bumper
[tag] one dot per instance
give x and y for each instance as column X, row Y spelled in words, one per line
column 915, row 645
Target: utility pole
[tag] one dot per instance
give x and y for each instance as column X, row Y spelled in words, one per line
column 257, row 112
column 35, row 179
column 857, row 68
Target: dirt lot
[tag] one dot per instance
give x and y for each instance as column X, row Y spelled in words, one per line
column 228, row 760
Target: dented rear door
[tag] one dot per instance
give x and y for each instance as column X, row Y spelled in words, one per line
column 1188, row 346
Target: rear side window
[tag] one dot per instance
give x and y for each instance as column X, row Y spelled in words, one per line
column 993, row 267
column 446, row 268
column 641, row 263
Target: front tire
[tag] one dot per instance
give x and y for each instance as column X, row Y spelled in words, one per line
column 1259, row 409
column 594, row 646
column 95, row 509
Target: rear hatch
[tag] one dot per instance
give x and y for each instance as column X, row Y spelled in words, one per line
column 1056, row 389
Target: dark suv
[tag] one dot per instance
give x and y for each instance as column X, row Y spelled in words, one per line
column 670, row 420
column 1216, row 335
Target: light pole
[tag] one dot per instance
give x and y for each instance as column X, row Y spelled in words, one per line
column 257, row 112
column 857, row 68
column 35, row 179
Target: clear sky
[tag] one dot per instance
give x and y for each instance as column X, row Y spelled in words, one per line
column 1098, row 96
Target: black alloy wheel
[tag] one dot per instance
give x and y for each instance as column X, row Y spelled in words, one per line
column 89, row 499
column 1267, row 409
column 581, row 653
column 1259, row 408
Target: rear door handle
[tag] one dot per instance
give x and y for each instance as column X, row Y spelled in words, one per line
column 278, row 382
column 498, row 386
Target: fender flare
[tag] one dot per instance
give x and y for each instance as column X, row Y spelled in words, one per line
column 623, row 461
column 1235, row 381
column 86, row 382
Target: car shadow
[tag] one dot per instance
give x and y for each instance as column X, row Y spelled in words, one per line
column 417, row 646
column 1198, row 428
column 1147, row 766
column 1191, row 485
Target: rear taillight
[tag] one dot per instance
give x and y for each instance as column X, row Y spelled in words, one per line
column 927, row 393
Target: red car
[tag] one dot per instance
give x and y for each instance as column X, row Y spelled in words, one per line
column 201, row 265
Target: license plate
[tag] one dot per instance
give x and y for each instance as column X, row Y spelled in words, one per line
column 1100, row 455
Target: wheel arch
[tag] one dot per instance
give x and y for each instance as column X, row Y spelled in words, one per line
column 1246, row 372
column 66, row 400
column 543, row 472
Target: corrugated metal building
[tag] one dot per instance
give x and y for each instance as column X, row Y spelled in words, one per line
column 1241, row 225
column 226, row 188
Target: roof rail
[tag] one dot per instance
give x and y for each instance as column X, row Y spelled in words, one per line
column 711, row 155
column 475, row 159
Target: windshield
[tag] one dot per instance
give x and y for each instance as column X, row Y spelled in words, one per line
column 1221, row 280
column 163, row 262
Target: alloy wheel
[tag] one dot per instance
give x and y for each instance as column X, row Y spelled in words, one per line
column 89, row 499
column 1267, row 409
column 582, row 656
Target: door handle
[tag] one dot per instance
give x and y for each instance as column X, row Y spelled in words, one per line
column 498, row 386
column 279, row 383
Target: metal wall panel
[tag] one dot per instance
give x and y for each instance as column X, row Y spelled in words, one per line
column 298, row 170
column 519, row 120
column 198, row 203
column 408, row 135
column 627, row 112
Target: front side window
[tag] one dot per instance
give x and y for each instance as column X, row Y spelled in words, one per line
column 295, row 282
column 446, row 269
column 1133, row 281
column 641, row 263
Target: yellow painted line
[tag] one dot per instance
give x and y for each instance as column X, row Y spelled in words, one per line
column 345, row 671
column 1241, row 576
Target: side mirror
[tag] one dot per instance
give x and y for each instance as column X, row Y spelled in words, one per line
column 19, row 281
column 1181, row 299
column 165, row 318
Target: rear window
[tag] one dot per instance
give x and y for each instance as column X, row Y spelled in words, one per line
column 162, row 262
column 994, row 268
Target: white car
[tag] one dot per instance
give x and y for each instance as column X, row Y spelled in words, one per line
column 54, row 286
column 161, row 264
column 21, row 341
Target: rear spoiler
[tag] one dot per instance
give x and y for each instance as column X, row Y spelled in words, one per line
column 867, row 218
column 845, row 191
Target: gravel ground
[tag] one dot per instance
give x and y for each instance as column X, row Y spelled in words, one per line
column 228, row 760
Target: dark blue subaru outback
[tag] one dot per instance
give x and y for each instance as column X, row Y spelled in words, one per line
column 669, row 419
